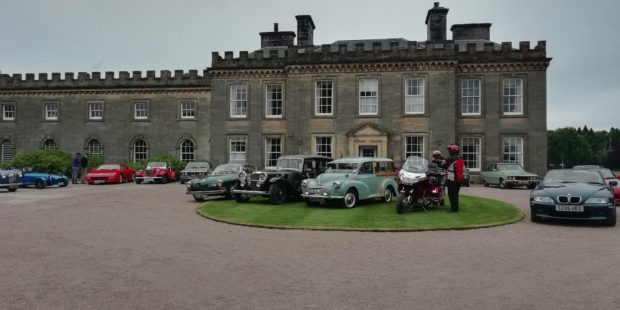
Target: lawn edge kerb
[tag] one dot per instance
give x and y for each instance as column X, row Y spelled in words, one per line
column 319, row 228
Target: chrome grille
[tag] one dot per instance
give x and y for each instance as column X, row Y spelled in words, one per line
column 569, row 199
column 149, row 173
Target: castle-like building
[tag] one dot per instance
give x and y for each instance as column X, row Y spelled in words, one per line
column 384, row 97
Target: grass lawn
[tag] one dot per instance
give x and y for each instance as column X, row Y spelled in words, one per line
column 474, row 212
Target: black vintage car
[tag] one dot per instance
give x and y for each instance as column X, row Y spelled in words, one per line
column 281, row 182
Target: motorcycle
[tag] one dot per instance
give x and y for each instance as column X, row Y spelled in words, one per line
column 420, row 185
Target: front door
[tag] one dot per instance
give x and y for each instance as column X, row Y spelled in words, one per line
column 368, row 151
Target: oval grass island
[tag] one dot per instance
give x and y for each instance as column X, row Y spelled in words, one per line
column 373, row 215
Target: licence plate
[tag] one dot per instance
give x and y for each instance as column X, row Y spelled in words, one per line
column 569, row 208
column 99, row 181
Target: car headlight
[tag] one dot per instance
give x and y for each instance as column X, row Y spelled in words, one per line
column 220, row 183
column 188, row 184
column 262, row 178
column 543, row 199
column 337, row 185
column 510, row 178
column 597, row 201
column 242, row 177
column 4, row 176
column 304, row 185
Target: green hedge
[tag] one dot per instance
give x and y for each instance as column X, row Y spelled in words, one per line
column 51, row 161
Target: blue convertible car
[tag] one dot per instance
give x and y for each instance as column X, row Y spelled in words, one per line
column 41, row 180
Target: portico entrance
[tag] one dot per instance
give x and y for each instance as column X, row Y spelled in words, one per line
column 368, row 140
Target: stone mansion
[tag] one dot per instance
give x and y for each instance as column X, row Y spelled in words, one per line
column 377, row 97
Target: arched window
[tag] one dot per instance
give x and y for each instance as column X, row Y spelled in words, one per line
column 187, row 150
column 140, row 150
column 94, row 148
column 7, row 151
column 50, row 144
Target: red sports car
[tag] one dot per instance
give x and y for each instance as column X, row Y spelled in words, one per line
column 160, row 172
column 609, row 177
column 110, row 173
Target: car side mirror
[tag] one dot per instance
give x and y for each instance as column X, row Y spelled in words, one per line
column 613, row 183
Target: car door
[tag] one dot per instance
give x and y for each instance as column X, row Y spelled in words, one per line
column 370, row 182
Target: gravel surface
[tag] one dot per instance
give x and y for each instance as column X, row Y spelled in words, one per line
column 144, row 247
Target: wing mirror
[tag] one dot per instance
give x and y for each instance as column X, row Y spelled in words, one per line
column 613, row 183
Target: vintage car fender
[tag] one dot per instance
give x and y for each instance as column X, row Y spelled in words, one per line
column 389, row 182
column 362, row 189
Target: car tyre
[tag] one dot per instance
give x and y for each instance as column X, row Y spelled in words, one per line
column 388, row 195
column 63, row 183
column 277, row 193
column 350, row 199
column 531, row 186
column 39, row 184
column 502, row 184
column 534, row 218
column 164, row 180
column 12, row 189
column 485, row 184
column 138, row 181
column 198, row 198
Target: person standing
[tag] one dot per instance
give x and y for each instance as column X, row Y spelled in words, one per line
column 454, row 167
column 75, row 168
column 84, row 166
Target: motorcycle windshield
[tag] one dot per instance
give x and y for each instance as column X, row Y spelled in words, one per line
column 416, row 164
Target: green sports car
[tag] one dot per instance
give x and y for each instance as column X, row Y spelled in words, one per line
column 218, row 183
column 574, row 195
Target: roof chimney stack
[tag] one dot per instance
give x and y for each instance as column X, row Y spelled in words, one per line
column 305, row 30
column 436, row 20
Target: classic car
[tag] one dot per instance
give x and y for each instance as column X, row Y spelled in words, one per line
column 574, row 194
column 110, row 173
column 507, row 175
column 41, row 180
column 218, row 183
column 195, row 170
column 156, row 171
column 281, row 182
column 350, row 180
column 609, row 177
column 10, row 179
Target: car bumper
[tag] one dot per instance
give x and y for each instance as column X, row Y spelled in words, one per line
column 590, row 212
column 208, row 193
column 149, row 179
column 10, row 185
column 249, row 192
column 520, row 182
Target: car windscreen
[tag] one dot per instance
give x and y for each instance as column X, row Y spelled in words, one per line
column 341, row 167
column 198, row 165
column 573, row 176
column 515, row 167
column 226, row 169
column 156, row 164
column 109, row 167
column 607, row 174
column 290, row 163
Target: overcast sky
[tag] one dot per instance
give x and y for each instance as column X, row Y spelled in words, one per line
column 126, row 35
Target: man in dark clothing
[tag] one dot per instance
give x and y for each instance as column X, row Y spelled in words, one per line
column 84, row 166
column 75, row 168
column 454, row 166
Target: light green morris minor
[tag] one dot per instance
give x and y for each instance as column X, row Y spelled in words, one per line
column 350, row 180
column 507, row 175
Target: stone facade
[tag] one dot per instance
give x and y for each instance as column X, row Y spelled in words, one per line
column 386, row 97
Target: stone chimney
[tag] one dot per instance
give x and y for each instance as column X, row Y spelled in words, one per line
column 276, row 38
column 305, row 30
column 436, row 21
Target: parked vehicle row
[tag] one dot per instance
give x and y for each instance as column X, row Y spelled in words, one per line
column 13, row 178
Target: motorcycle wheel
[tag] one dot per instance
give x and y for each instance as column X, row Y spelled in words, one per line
column 400, row 204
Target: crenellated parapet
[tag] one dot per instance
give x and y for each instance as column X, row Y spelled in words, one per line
column 95, row 80
column 380, row 51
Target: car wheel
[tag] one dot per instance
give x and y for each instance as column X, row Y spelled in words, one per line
column 277, row 193
column 485, row 184
column 388, row 194
column 138, row 181
column 466, row 183
column 63, row 183
column 39, row 184
column 12, row 189
column 534, row 218
column 241, row 198
column 164, row 180
column 502, row 184
column 198, row 198
column 350, row 199
column 532, row 186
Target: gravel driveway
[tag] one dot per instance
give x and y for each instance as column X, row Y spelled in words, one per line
column 144, row 247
